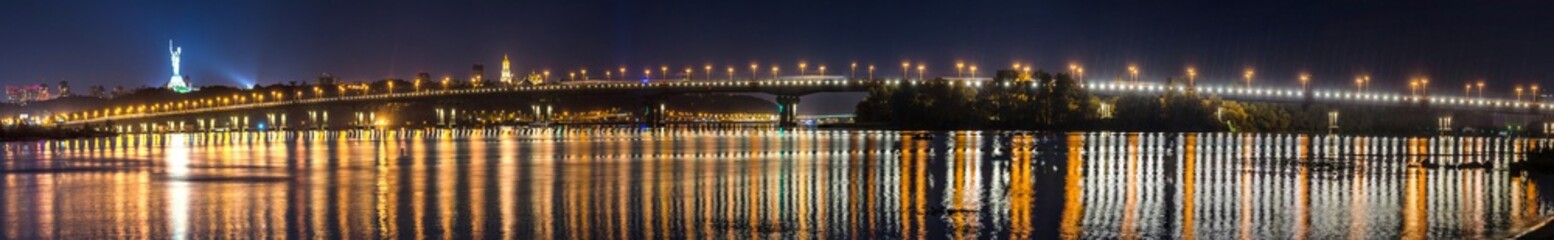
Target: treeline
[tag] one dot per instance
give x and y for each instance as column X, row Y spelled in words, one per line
column 1045, row 101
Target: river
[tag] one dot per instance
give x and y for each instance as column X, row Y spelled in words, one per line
column 620, row 183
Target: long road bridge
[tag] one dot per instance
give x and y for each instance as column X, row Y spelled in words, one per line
column 236, row 115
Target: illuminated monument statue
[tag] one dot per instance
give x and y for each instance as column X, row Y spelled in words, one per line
column 176, row 84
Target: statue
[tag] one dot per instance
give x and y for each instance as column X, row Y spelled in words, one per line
column 177, row 83
column 175, row 52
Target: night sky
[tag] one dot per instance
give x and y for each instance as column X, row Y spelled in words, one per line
column 115, row 42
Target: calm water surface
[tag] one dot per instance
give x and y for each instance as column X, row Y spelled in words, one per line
column 628, row 183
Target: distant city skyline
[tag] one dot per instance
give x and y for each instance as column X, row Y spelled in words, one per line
column 114, row 43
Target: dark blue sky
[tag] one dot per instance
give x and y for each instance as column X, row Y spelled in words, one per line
column 231, row 42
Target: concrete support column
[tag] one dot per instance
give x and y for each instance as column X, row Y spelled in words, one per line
column 787, row 110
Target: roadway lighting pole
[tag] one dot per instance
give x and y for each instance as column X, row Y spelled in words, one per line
column 973, row 71
column 1465, row 89
column 1134, row 71
column 1535, row 92
column 708, row 70
column 647, row 73
column 959, row 73
column 731, row 74
column 774, row 72
column 871, row 72
column 852, row 73
column 1357, row 82
column 822, row 70
column 1366, row 83
column 1481, row 88
column 584, row 73
column 1081, row 75
column 1192, row 76
column 904, row 70
column 688, row 74
column 623, row 73
column 802, row 66
column 1305, row 80
column 1249, row 74
column 1518, row 93
column 663, row 72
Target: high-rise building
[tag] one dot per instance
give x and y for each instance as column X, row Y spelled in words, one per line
column 327, row 79
column 64, row 88
column 477, row 75
column 421, row 78
column 98, row 92
column 507, row 71
column 26, row 94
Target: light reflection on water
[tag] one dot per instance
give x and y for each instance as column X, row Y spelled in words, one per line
column 761, row 183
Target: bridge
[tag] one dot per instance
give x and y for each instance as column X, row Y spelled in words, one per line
column 302, row 111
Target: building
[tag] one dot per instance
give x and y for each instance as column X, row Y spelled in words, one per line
column 26, row 94
column 64, row 88
column 98, row 92
column 327, row 79
column 421, row 78
column 507, row 72
column 477, row 75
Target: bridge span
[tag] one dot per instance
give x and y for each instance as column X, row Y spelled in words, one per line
column 300, row 111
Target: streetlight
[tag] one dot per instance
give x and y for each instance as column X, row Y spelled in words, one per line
column 752, row 71
column 1357, row 83
column 1080, row 74
column 623, row 73
column 688, row 74
column 1192, row 75
column 774, row 72
column 871, row 72
column 802, row 66
column 1249, row 74
column 958, row 72
column 973, row 71
column 1518, row 93
column 708, row 71
column 584, row 73
column 904, row 70
column 852, row 72
column 1134, row 70
column 647, row 73
column 731, row 74
column 1480, row 88
column 1534, row 92
column 1304, row 80
column 822, row 70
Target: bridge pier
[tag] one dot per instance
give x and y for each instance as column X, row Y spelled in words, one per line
column 653, row 112
column 787, row 110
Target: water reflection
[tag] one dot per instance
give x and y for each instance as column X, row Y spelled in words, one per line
column 619, row 183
